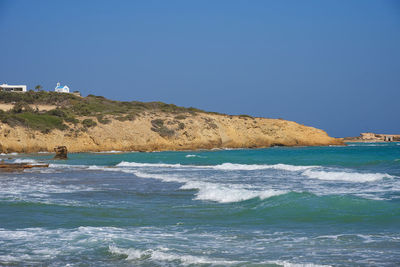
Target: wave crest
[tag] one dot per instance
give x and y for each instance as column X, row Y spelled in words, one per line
column 163, row 254
column 228, row 194
column 32, row 161
column 137, row 164
column 224, row 166
column 251, row 167
column 346, row 176
column 221, row 193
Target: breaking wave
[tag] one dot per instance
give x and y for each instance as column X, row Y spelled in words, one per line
column 227, row 194
column 222, row 193
column 251, row 167
column 25, row 161
column 163, row 254
column 194, row 156
column 224, row 166
column 290, row 264
column 109, row 152
column 314, row 172
column 9, row 154
column 136, row 164
column 346, row 176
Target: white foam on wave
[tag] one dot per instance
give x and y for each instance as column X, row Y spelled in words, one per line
column 346, row 176
column 250, row 167
column 9, row 154
column 90, row 168
column 312, row 171
column 164, row 254
column 42, row 170
column 26, row 186
column 32, row 245
column 224, row 166
column 290, row 264
column 163, row 245
column 195, row 156
column 222, row 193
column 228, row 193
column 364, row 238
column 68, row 166
column 100, row 168
column 136, row 164
column 162, row 177
column 25, row 161
column 40, row 189
column 369, row 144
column 109, row 152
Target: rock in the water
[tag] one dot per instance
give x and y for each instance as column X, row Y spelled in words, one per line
column 8, row 167
column 61, row 152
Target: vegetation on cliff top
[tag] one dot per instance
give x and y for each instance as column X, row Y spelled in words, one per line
column 71, row 107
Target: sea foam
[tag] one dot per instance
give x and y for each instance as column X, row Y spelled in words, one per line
column 109, row 152
column 25, row 161
column 290, row 264
column 9, row 154
column 163, row 254
column 251, row 167
column 346, row 176
column 222, row 193
column 136, row 164
column 228, row 193
column 224, row 166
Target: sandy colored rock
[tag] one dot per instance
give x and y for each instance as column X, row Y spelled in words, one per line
column 190, row 132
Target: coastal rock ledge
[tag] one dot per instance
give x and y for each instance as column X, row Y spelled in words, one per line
column 166, row 131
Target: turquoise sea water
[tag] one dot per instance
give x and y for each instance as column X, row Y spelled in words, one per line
column 307, row 206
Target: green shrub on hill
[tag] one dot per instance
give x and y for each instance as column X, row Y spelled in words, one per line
column 42, row 97
column 69, row 107
column 41, row 122
column 163, row 131
column 180, row 117
column 157, row 123
column 92, row 105
column 102, row 120
column 244, row 116
column 64, row 114
column 88, row 123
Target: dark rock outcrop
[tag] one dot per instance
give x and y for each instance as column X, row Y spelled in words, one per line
column 61, row 152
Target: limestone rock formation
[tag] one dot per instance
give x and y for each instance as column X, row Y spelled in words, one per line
column 156, row 131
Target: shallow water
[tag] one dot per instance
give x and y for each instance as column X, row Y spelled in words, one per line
column 308, row 206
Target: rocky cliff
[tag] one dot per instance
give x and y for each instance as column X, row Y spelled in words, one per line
column 154, row 131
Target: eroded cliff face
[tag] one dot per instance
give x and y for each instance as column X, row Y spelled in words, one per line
column 166, row 131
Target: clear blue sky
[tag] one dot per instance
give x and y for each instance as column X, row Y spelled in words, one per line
column 334, row 65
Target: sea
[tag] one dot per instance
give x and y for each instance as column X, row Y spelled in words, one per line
column 279, row 206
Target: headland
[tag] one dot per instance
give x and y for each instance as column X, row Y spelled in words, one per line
column 40, row 121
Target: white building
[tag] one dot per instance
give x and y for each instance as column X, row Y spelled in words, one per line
column 61, row 89
column 12, row 88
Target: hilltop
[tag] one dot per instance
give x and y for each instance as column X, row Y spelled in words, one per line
column 94, row 123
